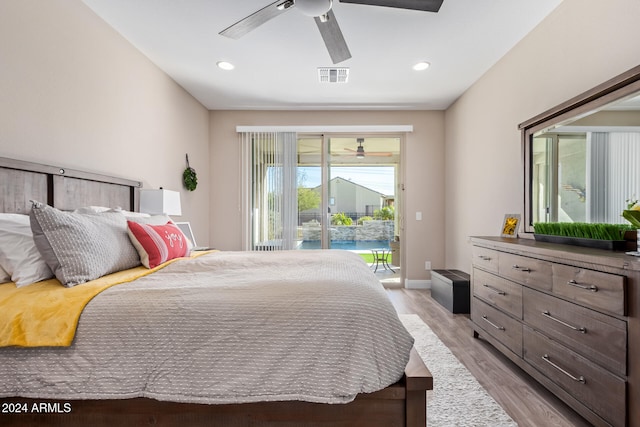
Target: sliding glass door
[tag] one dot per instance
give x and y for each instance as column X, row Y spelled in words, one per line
column 348, row 191
column 362, row 180
column 321, row 191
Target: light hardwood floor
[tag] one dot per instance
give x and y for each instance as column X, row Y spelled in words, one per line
column 528, row 403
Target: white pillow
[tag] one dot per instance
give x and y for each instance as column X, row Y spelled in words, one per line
column 100, row 209
column 91, row 209
column 19, row 257
column 131, row 214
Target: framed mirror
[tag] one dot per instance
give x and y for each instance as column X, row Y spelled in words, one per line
column 582, row 158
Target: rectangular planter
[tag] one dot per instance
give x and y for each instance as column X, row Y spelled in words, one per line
column 611, row 245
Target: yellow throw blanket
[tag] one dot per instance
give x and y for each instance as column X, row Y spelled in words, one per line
column 46, row 314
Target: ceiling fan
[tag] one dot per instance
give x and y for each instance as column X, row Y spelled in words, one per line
column 325, row 19
column 360, row 154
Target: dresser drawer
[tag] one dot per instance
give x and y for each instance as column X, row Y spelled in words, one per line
column 598, row 389
column 596, row 336
column 505, row 329
column 602, row 291
column 487, row 259
column 499, row 292
column 528, row 271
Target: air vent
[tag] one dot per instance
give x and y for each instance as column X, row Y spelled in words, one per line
column 333, row 75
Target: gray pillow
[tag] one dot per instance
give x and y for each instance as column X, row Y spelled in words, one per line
column 82, row 247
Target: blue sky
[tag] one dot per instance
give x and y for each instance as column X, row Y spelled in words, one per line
column 378, row 178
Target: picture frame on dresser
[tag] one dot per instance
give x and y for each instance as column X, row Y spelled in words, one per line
column 510, row 225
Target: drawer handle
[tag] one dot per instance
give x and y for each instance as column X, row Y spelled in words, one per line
column 579, row 379
column 555, row 319
column 492, row 324
column 520, row 268
column 497, row 291
column 484, row 257
column 592, row 288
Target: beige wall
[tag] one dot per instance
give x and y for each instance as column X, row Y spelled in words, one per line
column 581, row 44
column 423, row 167
column 74, row 93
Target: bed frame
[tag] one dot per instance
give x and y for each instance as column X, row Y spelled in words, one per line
column 401, row 404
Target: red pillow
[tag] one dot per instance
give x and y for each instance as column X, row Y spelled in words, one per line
column 157, row 243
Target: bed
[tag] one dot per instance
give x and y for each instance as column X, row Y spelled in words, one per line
column 304, row 375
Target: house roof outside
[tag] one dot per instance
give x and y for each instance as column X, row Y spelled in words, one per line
column 351, row 198
column 340, row 179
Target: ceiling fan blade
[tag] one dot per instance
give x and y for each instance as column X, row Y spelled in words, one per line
column 379, row 154
column 254, row 20
column 352, row 152
column 425, row 5
column 333, row 38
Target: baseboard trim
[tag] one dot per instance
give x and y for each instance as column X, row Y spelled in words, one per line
column 417, row 284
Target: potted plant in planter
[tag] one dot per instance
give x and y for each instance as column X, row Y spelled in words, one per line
column 594, row 235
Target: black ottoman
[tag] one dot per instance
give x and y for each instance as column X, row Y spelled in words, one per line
column 451, row 289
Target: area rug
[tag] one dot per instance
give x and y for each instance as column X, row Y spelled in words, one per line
column 457, row 398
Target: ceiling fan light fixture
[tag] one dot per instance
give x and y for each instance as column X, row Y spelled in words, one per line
column 313, row 8
column 360, row 150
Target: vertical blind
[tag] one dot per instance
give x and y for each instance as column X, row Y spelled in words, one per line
column 612, row 173
column 270, row 202
column 597, row 176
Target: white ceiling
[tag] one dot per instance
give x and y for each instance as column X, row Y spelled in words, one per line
column 276, row 64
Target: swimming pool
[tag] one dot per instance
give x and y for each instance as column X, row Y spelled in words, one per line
column 349, row 245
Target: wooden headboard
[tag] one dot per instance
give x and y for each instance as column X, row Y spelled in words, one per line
column 64, row 188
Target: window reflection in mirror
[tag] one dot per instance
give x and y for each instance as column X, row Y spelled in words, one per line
column 585, row 168
column 559, row 177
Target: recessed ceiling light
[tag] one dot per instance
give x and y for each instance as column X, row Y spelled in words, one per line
column 420, row 66
column 225, row 65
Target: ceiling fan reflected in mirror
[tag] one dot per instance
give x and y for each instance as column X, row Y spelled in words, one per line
column 325, row 19
column 360, row 153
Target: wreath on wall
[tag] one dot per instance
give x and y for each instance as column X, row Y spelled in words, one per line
column 189, row 177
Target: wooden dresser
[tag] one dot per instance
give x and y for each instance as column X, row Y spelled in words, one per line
column 568, row 316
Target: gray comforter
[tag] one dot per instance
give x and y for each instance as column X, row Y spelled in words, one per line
column 227, row 327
